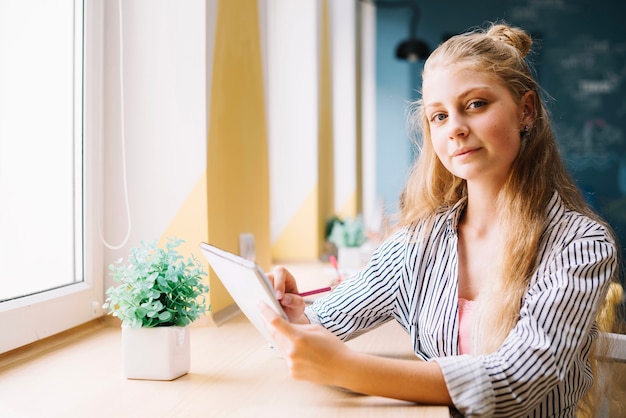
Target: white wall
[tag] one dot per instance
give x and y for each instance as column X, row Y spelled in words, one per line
column 166, row 75
column 292, row 91
column 344, row 86
column 371, row 197
column 165, row 115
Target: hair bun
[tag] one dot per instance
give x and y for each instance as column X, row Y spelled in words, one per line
column 516, row 37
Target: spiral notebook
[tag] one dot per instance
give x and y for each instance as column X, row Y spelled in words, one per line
column 246, row 283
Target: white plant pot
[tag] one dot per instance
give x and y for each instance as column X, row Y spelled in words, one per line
column 349, row 259
column 160, row 353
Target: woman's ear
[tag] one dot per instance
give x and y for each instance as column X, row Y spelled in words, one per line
column 527, row 106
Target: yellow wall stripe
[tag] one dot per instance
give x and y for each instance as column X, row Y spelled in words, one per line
column 299, row 239
column 325, row 143
column 190, row 224
column 237, row 168
column 349, row 208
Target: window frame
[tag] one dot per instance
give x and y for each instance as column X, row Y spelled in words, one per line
column 31, row 318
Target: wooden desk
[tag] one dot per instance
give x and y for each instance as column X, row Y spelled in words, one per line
column 233, row 374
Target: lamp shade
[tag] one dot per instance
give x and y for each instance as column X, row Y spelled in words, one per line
column 412, row 50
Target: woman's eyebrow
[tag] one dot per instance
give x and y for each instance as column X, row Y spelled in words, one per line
column 463, row 94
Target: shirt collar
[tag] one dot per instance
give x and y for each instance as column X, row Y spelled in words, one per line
column 453, row 215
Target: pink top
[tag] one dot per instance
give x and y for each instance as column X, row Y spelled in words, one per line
column 465, row 326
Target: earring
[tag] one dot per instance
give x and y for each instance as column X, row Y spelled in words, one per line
column 526, row 131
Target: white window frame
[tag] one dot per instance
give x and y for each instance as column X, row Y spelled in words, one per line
column 31, row 318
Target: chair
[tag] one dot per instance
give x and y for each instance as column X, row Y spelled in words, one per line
column 614, row 351
column 617, row 347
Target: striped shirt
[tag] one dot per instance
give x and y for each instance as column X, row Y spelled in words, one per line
column 542, row 368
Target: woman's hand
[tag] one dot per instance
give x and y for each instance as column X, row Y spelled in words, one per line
column 314, row 354
column 286, row 290
column 311, row 351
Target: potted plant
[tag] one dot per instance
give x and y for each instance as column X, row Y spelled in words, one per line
column 159, row 295
column 348, row 235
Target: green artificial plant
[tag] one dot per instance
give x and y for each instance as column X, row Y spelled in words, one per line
column 158, row 287
column 349, row 232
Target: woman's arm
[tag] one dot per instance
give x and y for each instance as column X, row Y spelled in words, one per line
column 362, row 302
column 314, row 354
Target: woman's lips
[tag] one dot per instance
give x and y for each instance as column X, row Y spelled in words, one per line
column 465, row 152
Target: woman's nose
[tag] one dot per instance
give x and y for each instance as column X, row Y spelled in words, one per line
column 457, row 127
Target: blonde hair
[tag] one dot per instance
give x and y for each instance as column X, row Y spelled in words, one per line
column 536, row 173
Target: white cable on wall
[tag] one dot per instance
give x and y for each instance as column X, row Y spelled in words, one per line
column 123, row 137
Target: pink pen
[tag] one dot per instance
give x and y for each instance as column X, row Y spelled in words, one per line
column 316, row 291
column 333, row 262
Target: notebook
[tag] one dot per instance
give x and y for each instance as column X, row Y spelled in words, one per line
column 246, row 283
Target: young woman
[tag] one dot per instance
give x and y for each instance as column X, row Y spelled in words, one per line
column 497, row 268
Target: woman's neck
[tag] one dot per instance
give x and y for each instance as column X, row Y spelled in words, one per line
column 481, row 213
column 479, row 238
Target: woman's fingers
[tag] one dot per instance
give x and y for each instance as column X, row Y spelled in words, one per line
column 283, row 282
column 271, row 317
column 278, row 327
column 310, row 350
column 286, row 292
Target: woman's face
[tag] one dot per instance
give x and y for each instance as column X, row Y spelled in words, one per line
column 474, row 123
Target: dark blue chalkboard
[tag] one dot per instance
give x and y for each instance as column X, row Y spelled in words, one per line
column 580, row 60
column 583, row 68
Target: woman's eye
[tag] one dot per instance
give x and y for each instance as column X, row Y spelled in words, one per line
column 476, row 104
column 437, row 117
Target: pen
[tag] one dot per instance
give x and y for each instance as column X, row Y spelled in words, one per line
column 333, row 262
column 316, row 291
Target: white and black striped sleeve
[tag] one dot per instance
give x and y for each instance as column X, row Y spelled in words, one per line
column 367, row 299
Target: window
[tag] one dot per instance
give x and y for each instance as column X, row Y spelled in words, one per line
column 49, row 117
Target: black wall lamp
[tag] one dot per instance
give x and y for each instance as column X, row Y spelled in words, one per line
column 411, row 49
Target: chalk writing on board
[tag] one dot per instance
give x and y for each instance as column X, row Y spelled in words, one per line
column 591, row 73
column 532, row 10
column 593, row 146
column 592, row 69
